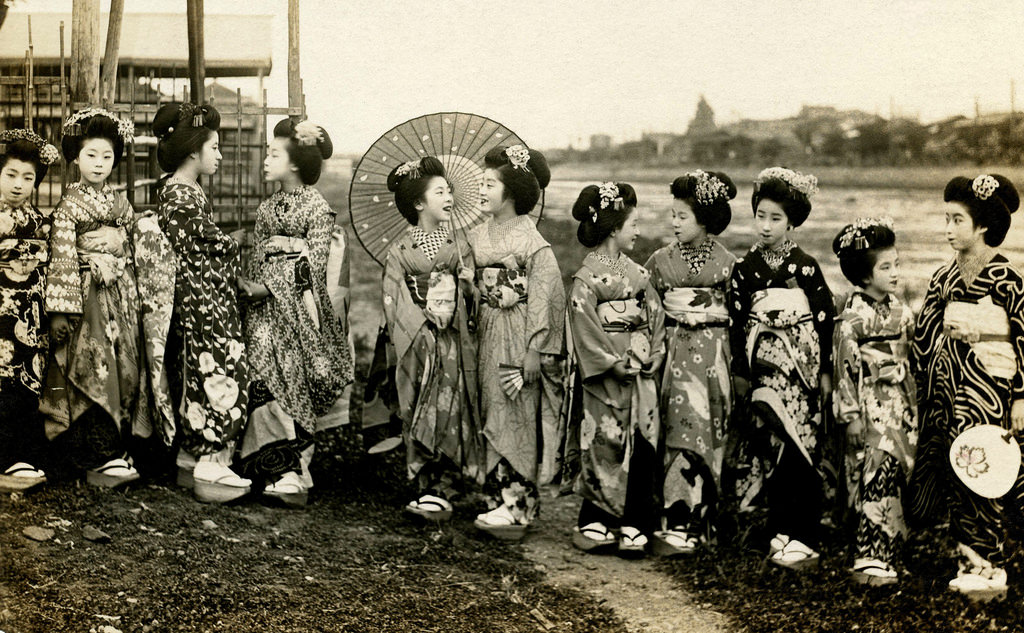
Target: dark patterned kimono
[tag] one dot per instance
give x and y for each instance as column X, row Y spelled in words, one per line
column 782, row 321
column 24, row 253
column 435, row 367
column 874, row 385
column 963, row 384
column 696, row 388
column 208, row 349
column 297, row 350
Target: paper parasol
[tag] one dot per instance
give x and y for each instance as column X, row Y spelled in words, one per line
column 459, row 140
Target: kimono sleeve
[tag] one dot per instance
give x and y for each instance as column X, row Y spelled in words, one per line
column 189, row 229
column 926, row 332
column 403, row 317
column 1015, row 312
column 739, row 311
column 318, row 238
column 823, row 310
column 545, row 304
column 847, row 373
column 594, row 351
column 63, row 281
column 655, row 322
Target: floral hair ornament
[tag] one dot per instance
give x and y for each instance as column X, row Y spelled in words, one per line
column 410, row 169
column 48, row 154
column 856, row 234
column 609, row 193
column 308, row 133
column 804, row 183
column 984, row 186
column 189, row 109
column 73, row 125
column 518, row 156
column 708, row 188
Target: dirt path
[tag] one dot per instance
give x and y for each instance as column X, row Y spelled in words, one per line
column 635, row 590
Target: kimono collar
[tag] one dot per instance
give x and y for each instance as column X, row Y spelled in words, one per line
column 7, row 206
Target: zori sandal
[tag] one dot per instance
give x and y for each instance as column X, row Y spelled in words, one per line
column 288, row 490
column 592, row 536
column 216, row 483
column 675, row 542
column 114, row 473
column 21, row 477
column 777, row 543
column 873, row 572
column 632, row 542
column 500, row 523
column 430, row 507
column 796, row 556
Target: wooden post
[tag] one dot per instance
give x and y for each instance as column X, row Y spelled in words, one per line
column 108, row 80
column 196, row 52
column 85, row 56
column 294, row 77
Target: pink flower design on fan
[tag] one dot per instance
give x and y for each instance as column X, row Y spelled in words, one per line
column 972, row 460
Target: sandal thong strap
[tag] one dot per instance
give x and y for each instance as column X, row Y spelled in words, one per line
column 432, row 503
column 795, row 551
column 596, row 532
column 498, row 517
column 632, row 536
column 22, row 469
column 680, row 538
column 115, row 464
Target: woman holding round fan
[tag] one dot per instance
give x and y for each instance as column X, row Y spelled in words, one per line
column 521, row 328
column 299, row 354
column 427, row 293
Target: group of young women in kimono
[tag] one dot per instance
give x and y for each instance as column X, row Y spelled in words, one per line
column 664, row 393
column 116, row 325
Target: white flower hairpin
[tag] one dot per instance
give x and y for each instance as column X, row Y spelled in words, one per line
column 804, row 183
column 518, row 156
column 984, row 186
column 708, row 188
column 308, row 133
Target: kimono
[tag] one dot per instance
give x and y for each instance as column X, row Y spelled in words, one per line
column 24, row 253
column 963, row 384
column 696, row 389
column 435, row 364
column 611, row 317
column 522, row 307
column 874, row 385
column 298, row 354
column 781, row 337
column 206, row 345
column 94, row 385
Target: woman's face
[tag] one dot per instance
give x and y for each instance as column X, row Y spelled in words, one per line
column 885, row 274
column 277, row 166
column 684, row 223
column 17, row 180
column 96, row 161
column 492, row 192
column 961, row 232
column 771, row 223
column 437, row 201
column 625, row 238
column 209, row 155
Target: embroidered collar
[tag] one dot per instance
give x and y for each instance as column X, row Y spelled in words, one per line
column 429, row 243
column 617, row 265
column 696, row 256
column 775, row 256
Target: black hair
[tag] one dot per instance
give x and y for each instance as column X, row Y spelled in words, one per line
column 591, row 231
column 182, row 129
column 96, row 126
column 713, row 217
column 522, row 185
column 858, row 256
column 410, row 187
column 308, row 158
column 993, row 212
column 795, row 204
column 28, row 152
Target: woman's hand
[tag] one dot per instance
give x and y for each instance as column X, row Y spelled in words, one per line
column 466, row 274
column 531, row 366
column 826, row 387
column 251, row 291
column 651, row 367
column 740, row 386
column 623, row 372
column 1017, row 416
column 60, row 328
column 855, row 433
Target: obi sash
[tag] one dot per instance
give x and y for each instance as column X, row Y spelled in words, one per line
column 434, row 290
column 879, row 360
column 695, row 308
column 987, row 328
column 623, row 315
column 502, row 288
column 278, row 247
column 102, row 252
column 773, row 311
column 22, row 256
column 284, row 246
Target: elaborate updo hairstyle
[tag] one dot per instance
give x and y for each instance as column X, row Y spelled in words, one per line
column 790, row 189
column 27, row 146
column 601, row 210
column 94, row 123
column 990, row 199
column 858, row 244
column 409, row 182
column 708, row 193
column 524, row 172
column 182, row 129
column 308, row 147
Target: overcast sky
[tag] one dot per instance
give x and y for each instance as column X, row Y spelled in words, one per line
column 557, row 71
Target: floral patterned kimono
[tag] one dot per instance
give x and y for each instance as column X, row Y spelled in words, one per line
column 963, row 384
column 782, row 320
column 211, row 371
column 298, row 354
column 435, row 367
column 874, row 385
column 94, row 383
column 696, row 390
column 611, row 317
column 522, row 307
column 24, row 252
